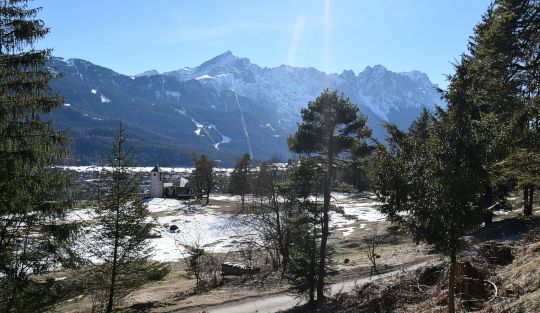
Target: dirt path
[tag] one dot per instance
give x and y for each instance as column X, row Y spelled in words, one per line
column 275, row 303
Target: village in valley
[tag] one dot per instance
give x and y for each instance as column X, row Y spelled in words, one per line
column 237, row 266
column 182, row 222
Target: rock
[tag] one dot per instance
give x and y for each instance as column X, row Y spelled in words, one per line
column 496, row 253
column 430, row 276
column 236, row 269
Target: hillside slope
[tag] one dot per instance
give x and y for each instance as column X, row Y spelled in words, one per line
column 225, row 107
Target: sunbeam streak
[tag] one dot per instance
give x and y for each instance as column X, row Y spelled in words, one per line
column 295, row 40
column 326, row 36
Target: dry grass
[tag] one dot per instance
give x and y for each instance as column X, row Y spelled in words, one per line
column 175, row 291
column 500, row 275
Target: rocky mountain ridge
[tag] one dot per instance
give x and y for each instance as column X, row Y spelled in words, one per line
column 225, row 107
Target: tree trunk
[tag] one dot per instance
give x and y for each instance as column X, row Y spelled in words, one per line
column 452, row 283
column 527, row 205
column 531, row 199
column 286, row 254
column 324, row 231
column 279, row 231
column 312, row 285
column 488, row 219
column 487, row 202
column 287, row 240
column 207, row 198
column 110, row 303
column 313, row 262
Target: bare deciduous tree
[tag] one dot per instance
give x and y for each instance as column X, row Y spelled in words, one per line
column 372, row 242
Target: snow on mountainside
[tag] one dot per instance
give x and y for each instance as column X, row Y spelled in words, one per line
column 166, row 119
column 288, row 88
column 224, row 107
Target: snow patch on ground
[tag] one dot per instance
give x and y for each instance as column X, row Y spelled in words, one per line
column 80, row 215
column 346, row 231
column 195, row 226
column 139, row 169
column 204, row 226
column 213, row 231
column 224, row 197
column 165, row 205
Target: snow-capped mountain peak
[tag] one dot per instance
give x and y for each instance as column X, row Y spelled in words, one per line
column 376, row 90
column 147, row 73
column 223, row 61
column 228, row 105
column 418, row 76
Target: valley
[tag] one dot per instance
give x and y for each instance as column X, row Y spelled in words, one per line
column 146, row 168
column 224, row 236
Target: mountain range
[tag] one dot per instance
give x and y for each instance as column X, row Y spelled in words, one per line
column 225, row 107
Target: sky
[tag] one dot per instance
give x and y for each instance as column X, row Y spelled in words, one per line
column 133, row 36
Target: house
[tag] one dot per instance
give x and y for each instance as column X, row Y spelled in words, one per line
column 160, row 189
column 180, row 190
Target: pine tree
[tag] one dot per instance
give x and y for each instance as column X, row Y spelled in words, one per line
column 240, row 178
column 32, row 201
column 120, row 243
column 331, row 127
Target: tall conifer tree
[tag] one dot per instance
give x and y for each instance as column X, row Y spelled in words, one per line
column 331, row 129
column 503, row 65
column 304, row 226
column 32, row 196
column 120, row 242
column 431, row 179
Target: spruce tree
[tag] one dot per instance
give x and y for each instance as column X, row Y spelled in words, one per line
column 523, row 165
column 32, row 195
column 331, row 129
column 120, row 244
column 503, row 66
column 431, row 179
column 203, row 176
column 303, row 226
column 239, row 183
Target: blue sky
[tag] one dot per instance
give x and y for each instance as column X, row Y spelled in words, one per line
column 332, row 35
